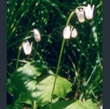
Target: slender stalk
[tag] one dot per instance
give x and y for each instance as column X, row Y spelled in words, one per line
column 59, row 60
column 58, row 65
column 19, row 53
column 34, row 105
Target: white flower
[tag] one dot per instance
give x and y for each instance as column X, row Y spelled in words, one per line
column 27, row 47
column 89, row 11
column 74, row 33
column 37, row 35
column 67, row 32
column 80, row 15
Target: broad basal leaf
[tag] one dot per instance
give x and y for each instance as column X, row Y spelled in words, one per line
column 24, row 78
column 82, row 105
column 43, row 91
column 76, row 105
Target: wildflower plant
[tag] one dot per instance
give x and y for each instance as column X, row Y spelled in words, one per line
column 57, row 75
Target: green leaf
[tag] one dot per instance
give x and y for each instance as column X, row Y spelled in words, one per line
column 82, row 105
column 31, row 69
column 43, row 91
column 24, row 79
column 24, row 98
column 76, row 105
column 59, row 105
column 89, row 104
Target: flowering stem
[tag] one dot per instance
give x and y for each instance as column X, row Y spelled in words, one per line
column 59, row 60
column 70, row 17
column 58, row 65
column 18, row 57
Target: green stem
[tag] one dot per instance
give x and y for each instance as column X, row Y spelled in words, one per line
column 20, row 50
column 18, row 57
column 70, row 18
column 59, row 60
column 58, row 65
column 34, row 105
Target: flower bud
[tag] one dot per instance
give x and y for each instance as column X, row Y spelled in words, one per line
column 89, row 11
column 27, row 47
column 37, row 36
column 74, row 33
column 80, row 15
column 67, row 32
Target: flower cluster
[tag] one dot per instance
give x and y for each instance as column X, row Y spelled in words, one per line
column 69, row 32
column 84, row 12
